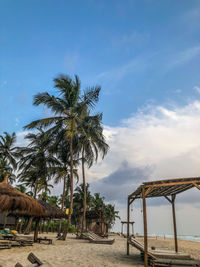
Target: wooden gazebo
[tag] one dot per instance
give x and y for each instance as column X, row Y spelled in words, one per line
column 162, row 188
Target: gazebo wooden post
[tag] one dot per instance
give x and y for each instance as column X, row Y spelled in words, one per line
column 36, row 229
column 145, row 228
column 128, row 219
column 132, row 229
column 174, row 223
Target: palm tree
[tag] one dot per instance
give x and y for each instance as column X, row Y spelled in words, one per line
column 91, row 142
column 110, row 215
column 108, row 210
column 79, row 196
column 35, row 162
column 62, row 172
column 7, row 156
column 67, row 109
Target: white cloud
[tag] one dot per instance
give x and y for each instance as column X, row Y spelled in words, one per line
column 163, row 139
column 156, row 142
column 16, row 121
column 197, row 89
column 20, row 138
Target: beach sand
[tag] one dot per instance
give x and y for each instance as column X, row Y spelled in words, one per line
column 75, row 252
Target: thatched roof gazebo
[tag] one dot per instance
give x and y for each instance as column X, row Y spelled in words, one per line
column 51, row 211
column 13, row 201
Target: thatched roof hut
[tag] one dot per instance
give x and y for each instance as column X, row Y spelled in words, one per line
column 15, row 202
column 51, row 211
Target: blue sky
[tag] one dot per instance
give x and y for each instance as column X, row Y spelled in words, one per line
column 140, row 52
column 146, row 56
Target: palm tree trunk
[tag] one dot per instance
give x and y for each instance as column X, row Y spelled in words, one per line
column 28, row 227
column 30, row 221
column 21, row 224
column 5, row 220
column 62, row 204
column 17, row 223
column 71, row 190
column 48, row 225
column 84, row 195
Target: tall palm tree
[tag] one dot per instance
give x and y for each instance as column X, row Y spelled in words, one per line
column 62, row 172
column 91, row 142
column 8, row 156
column 67, row 109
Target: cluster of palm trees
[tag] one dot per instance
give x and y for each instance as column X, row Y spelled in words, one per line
column 71, row 136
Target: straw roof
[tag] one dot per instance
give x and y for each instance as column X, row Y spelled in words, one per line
column 51, row 211
column 15, row 202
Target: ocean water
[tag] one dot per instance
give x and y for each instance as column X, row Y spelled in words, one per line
column 195, row 238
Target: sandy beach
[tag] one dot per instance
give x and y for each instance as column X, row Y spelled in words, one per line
column 74, row 252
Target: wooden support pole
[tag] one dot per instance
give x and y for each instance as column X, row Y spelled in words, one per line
column 168, row 199
column 36, row 229
column 174, row 222
column 128, row 220
column 196, row 185
column 122, row 228
column 145, row 229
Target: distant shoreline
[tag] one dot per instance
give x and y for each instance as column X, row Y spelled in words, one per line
column 194, row 238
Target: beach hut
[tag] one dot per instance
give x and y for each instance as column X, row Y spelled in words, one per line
column 50, row 212
column 162, row 188
column 96, row 222
column 13, row 202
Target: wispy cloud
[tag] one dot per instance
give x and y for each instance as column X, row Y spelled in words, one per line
column 3, row 83
column 130, row 40
column 16, row 121
column 112, row 77
column 185, row 56
column 197, row 89
column 71, row 61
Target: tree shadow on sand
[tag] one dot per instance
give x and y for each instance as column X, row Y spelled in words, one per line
column 132, row 260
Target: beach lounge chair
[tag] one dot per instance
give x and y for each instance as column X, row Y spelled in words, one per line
column 17, row 240
column 154, row 254
column 96, row 236
column 174, row 262
column 35, row 262
column 98, row 240
column 164, row 257
column 5, row 244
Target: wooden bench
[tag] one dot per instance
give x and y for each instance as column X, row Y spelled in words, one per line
column 8, row 237
column 45, row 239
